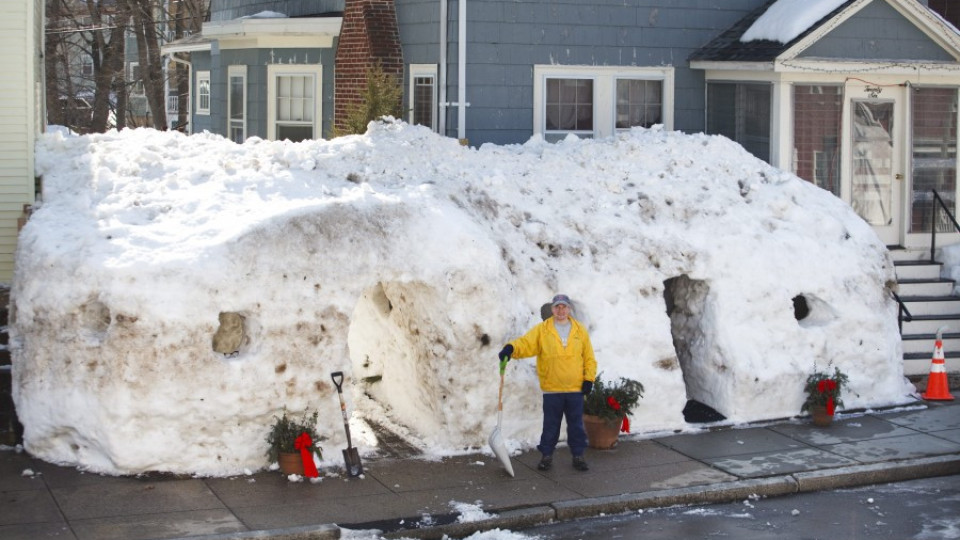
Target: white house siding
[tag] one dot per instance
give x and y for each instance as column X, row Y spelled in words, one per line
column 20, row 40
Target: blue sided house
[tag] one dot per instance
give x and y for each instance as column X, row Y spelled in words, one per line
column 856, row 96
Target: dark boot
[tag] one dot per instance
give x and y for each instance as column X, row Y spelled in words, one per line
column 580, row 464
column 545, row 463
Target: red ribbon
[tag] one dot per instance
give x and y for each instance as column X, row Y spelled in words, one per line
column 828, row 385
column 305, row 445
column 615, row 405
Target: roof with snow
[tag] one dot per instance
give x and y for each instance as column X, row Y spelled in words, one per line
column 728, row 46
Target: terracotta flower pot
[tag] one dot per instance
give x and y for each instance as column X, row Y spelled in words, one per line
column 820, row 416
column 291, row 463
column 601, row 434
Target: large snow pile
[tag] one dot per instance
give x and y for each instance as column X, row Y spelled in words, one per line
column 406, row 261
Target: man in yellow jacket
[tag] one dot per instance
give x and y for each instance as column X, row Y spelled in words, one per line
column 566, row 367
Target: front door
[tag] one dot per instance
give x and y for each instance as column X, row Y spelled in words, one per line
column 875, row 176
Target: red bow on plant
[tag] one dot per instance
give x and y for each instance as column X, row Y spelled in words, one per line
column 304, row 444
column 615, row 405
column 828, row 385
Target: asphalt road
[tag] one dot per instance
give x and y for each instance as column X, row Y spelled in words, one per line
column 926, row 509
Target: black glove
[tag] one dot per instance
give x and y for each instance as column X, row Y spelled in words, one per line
column 587, row 387
column 505, row 353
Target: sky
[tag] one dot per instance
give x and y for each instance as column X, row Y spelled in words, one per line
column 406, row 261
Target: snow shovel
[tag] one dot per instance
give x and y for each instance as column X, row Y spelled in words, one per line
column 496, row 439
column 350, row 455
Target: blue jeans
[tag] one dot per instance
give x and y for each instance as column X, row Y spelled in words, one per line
column 555, row 408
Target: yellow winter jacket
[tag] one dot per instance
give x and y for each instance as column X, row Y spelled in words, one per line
column 561, row 369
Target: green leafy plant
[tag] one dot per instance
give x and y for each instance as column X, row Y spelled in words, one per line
column 823, row 389
column 382, row 97
column 285, row 430
column 612, row 401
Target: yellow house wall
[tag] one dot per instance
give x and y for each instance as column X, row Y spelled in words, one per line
column 20, row 117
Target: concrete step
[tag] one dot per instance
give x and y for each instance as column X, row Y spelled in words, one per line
column 932, row 305
column 918, row 364
column 899, row 253
column 925, row 287
column 923, row 344
column 929, row 324
column 917, row 270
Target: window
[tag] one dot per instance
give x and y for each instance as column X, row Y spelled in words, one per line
column 237, row 103
column 598, row 101
column 934, row 155
column 741, row 112
column 203, row 92
column 294, row 102
column 639, row 103
column 817, row 119
column 423, row 95
column 136, row 78
column 569, row 105
column 86, row 66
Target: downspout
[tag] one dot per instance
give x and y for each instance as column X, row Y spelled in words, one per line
column 442, row 98
column 462, row 72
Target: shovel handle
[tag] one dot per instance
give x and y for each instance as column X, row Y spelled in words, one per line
column 337, row 377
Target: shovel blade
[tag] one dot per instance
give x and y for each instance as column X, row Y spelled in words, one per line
column 500, row 450
column 352, row 459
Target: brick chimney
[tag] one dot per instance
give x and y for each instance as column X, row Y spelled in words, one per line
column 369, row 33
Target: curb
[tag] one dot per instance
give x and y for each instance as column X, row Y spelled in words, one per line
column 804, row 482
column 308, row 532
column 878, row 473
column 511, row 519
column 523, row 518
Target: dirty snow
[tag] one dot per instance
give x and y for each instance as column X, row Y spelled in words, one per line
column 406, row 261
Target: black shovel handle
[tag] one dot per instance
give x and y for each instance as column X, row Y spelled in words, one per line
column 337, row 382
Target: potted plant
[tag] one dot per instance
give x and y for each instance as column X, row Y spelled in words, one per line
column 823, row 391
column 292, row 443
column 606, row 410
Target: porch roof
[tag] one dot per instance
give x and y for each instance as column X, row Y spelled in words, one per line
column 727, row 47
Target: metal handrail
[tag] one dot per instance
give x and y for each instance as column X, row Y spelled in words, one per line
column 933, row 224
column 903, row 314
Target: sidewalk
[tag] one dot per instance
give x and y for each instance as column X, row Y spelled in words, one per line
column 412, row 498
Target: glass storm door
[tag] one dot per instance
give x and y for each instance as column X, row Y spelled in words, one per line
column 875, row 188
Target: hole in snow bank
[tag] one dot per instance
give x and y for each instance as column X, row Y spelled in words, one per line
column 800, row 307
column 811, row 311
column 395, row 344
column 229, row 336
column 686, row 300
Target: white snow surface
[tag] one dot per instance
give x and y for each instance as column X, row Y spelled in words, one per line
column 406, row 261
column 787, row 19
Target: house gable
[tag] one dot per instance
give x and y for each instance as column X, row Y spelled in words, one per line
column 877, row 32
column 860, row 30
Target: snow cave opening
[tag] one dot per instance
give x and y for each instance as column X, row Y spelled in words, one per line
column 686, row 304
column 392, row 344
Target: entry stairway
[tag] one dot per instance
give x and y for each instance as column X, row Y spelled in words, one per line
column 933, row 304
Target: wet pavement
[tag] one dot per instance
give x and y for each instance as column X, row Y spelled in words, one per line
column 417, row 498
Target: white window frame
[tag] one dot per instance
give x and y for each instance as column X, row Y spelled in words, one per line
column 203, row 76
column 418, row 71
column 604, row 92
column 279, row 70
column 236, row 71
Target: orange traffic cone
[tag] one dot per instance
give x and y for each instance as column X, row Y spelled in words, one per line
column 937, row 388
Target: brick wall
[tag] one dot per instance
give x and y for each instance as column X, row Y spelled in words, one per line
column 369, row 34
